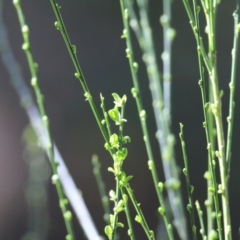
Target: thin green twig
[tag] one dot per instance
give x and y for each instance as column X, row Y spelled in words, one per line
column 79, row 74
column 161, row 97
column 101, row 187
column 190, row 188
column 67, row 215
column 200, row 216
column 142, row 113
column 232, row 89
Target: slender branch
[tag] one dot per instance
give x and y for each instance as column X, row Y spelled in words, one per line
column 67, row 215
column 232, row 84
column 101, row 187
column 142, row 113
column 200, row 216
column 161, row 98
column 190, row 188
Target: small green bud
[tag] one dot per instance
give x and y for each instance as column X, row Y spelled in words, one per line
column 129, row 232
column 221, row 93
column 189, row 208
column 68, row 215
column 198, row 9
column 169, row 226
column 77, row 75
column 125, row 198
column 112, row 195
column 138, row 219
column 143, row 115
column 134, row 92
column 207, row 175
column 238, row 27
column 74, row 49
column 213, row 235
column 219, row 215
column 124, row 35
column 63, row 202
column 191, row 189
column 150, row 165
column 121, row 154
column 231, row 86
column 171, row 34
column 119, row 224
column 126, row 139
column 220, row 189
column 88, row 96
column 25, row 29
column 165, row 56
column 107, row 146
column 164, row 20
column 108, row 231
column 58, row 26
column 126, row 13
column 16, row 3
column 211, row 190
column 119, row 208
column 58, row 6
column 135, row 66
column 25, row 46
column 114, row 115
column 229, row 119
column 117, row 168
column 45, row 120
column 207, row 203
column 69, row 237
column 161, row 211
column 128, row 53
column 114, row 140
column 55, row 178
column 160, row 186
column 34, row 81
column 185, row 172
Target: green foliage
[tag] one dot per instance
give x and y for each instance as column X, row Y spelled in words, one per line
column 218, row 147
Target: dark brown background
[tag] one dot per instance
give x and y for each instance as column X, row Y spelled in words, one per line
column 95, row 27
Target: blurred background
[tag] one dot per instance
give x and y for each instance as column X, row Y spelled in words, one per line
column 95, row 28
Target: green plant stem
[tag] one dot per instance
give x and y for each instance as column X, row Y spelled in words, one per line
column 17, row 81
column 115, row 204
column 217, row 111
column 79, row 75
column 105, row 114
column 161, row 98
column 33, row 69
column 189, row 186
column 101, row 187
column 72, row 51
column 137, row 96
column 143, row 222
column 200, row 46
column 200, row 216
column 232, row 89
column 211, row 166
column 211, row 65
column 128, row 215
column 163, row 208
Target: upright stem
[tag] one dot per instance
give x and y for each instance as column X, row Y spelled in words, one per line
column 67, row 215
column 161, row 96
column 232, row 89
column 217, row 111
column 141, row 111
